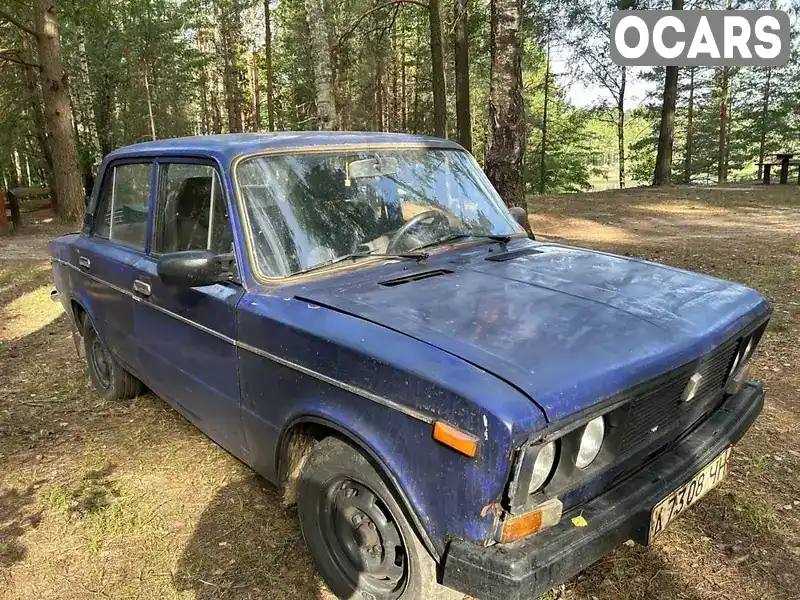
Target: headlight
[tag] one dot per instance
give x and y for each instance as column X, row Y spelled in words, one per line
column 542, row 466
column 591, row 441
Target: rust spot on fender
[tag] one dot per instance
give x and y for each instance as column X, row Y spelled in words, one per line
column 492, row 506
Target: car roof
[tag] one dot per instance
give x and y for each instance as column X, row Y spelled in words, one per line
column 226, row 147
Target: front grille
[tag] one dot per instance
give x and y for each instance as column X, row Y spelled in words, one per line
column 659, row 409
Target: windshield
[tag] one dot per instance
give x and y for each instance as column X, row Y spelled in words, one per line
column 304, row 210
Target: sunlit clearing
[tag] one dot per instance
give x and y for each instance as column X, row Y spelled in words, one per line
column 28, row 314
column 583, row 230
column 684, row 209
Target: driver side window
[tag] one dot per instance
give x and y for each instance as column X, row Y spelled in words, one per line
column 191, row 211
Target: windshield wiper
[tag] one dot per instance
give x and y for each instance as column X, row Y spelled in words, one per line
column 419, row 256
column 503, row 239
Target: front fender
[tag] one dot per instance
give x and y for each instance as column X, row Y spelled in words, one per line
column 383, row 390
column 447, row 495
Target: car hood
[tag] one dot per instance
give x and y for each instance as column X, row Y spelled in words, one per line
column 569, row 327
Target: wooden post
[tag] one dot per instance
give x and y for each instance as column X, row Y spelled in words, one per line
column 766, row 173
column 785, row 158
column 3, row 218
column 13, row 204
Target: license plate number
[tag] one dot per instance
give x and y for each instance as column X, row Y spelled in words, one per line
column 690, row 492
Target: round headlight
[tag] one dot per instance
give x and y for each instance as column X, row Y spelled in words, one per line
column 542, row 466
column 591, row 441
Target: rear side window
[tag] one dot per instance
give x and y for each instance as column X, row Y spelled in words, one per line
column 191, row 213
column 124, row 205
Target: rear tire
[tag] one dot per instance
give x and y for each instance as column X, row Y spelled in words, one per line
column 357, row 533
column 109, row 378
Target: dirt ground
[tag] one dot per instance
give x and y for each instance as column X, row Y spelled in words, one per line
column 124, row 501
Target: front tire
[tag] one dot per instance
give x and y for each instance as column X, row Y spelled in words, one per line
column 109, row 378
column 358, row 535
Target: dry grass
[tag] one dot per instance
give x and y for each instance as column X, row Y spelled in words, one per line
column 102, row 500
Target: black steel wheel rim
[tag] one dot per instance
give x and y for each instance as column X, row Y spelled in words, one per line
column 363, row 540
column 101, row 363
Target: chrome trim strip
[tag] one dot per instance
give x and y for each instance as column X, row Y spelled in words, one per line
column 94, row 278
column 189, row 322
column 406, row 410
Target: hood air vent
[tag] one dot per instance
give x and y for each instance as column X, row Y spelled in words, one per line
column 415, row 277
column 504, row 256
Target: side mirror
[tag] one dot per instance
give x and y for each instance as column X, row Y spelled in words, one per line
column 190, row 268
column 520, row 216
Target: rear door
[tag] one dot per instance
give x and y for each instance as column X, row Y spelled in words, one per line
column 186, row 335
column 106, row 256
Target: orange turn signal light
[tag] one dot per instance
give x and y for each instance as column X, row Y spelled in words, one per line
column 458, row 440
column 546, row 515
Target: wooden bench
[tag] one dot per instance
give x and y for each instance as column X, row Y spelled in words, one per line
column 784, row 160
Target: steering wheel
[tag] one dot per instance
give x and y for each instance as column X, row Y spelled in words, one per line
column 411, row 224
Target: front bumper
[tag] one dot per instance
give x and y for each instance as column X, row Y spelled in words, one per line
column 528, row 568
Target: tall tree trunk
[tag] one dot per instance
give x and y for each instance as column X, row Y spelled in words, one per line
column 415, row 98
column 204, row 113
column 379, row 99
column 762, row 142
column 663, row 171
column 255, row 74
column 621, row 128
column 268, row 67
column 58, row 113
column 505, row 149
column 437, row 64
column 461, row 49
column 327, row 117
column 87, row 102
column 216, row 112
column 722, row 157
column 230, row 31
column 666, row 133
column 543, row 155
column 727, row 137
column 395, row 111
column 35, row 98
column 687, row 154
column 404, row 103
column 723, row 129
column 149, row 104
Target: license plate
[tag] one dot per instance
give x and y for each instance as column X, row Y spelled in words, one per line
column 690, row 492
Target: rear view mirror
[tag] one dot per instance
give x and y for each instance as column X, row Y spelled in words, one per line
column 191, row 268
column 520, row 216
column 373, row 167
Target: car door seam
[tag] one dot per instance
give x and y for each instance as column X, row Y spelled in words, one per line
column 407, row 410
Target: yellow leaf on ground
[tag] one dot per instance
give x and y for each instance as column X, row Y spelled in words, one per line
column 579, row 521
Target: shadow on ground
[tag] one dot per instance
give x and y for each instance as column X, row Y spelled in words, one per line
column 16, row 518
column 247, row 546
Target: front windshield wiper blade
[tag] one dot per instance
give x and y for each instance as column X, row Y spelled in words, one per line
column 418, row 256
column 503, row 239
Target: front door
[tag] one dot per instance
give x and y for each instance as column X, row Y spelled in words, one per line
column 186, row 335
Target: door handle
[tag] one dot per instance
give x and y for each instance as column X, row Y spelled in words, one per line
column 140, row 287
column 84, row 262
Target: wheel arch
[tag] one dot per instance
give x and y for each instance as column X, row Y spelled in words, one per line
column 298, row 438
column 79, row 313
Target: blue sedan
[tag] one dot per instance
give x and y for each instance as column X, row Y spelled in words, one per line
column 454, row 407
